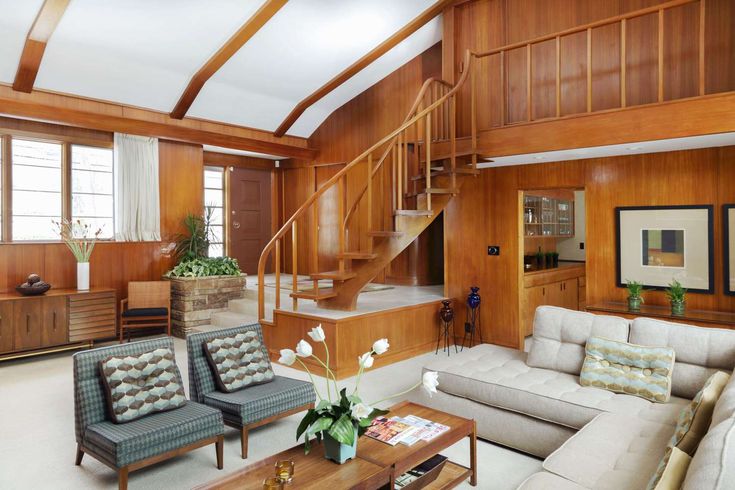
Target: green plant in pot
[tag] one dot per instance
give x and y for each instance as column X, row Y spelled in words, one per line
column 340, row 418
column 539, row 259
column 676, row 294
column 555, row 259
column 634, row 295
column 194, row 243
column 549, row 260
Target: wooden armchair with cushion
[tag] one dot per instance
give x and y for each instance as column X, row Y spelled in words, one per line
column 152, row 422
column 244, row 386
column 148, row 305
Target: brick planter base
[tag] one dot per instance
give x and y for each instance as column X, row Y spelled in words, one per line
column 194, row 299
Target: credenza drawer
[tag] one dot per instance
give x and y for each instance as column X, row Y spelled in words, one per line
column 92, row 316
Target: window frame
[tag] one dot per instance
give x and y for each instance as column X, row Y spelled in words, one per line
column 6, row 178
column 225, row 203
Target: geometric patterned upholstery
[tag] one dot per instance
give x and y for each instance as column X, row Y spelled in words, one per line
column 238, row 361
column 627, row 368
column 90, row 409
column 252, row 404
column 142, row 384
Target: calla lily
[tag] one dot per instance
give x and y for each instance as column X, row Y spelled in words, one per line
column 317, row 334
column 360, row 411
column 303, row 349
column 381, row 346
column 365, row 360
column 430, row 381
column 288, row 357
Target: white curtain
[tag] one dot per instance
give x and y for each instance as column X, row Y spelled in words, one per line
column 137, row 208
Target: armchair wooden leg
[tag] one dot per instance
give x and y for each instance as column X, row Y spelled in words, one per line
column 244, row 442
column 122, row 478
column 219, row 446
column 80, row 455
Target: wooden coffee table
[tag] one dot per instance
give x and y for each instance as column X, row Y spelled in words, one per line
column 377, row 464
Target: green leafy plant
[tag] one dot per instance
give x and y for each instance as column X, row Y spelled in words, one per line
column 194, row 243
column 343, row 416
column 676, row 292
column 205, row 267
column 634, row 289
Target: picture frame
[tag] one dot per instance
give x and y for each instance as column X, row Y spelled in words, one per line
column 728, row 248
column 657, row 244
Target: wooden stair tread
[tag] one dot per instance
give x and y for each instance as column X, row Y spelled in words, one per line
column 433, row 190
column 413, row 212
column 446, row 156
column 357, row 256
column 386, row 234
column 462, row 171
column 334, row 275
column 321, row 293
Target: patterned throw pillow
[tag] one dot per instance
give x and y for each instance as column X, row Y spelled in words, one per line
column 238, row 361
column 671, row 471
column 694, row 420
column 139, row 385
column 628, row 368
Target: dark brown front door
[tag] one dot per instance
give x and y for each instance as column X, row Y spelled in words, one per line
column 250, row 216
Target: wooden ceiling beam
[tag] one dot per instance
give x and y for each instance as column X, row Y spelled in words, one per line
column 43, row 27
column 40, row 111
column 413, row 26
column 227, row 51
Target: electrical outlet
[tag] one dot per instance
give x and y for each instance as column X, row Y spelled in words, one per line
column 493, row 250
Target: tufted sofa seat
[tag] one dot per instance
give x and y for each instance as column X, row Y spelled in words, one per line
column 591, row 438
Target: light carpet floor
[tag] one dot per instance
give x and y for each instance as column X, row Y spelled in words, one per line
column 37, row 443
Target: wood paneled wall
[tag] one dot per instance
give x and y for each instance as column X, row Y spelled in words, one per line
column 345, row 134
column 487, row 213
column 115, row 264
column 481, row 25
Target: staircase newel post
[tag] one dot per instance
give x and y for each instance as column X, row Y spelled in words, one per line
column 453, row 140
column 473, row 112
column 294, row 264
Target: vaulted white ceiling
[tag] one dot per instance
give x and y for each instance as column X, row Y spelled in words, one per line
column 143, row 53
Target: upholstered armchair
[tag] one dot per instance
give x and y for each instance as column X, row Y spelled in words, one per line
column 249, row 407
column 132, row 445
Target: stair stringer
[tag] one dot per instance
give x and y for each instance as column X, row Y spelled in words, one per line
column 387, row 250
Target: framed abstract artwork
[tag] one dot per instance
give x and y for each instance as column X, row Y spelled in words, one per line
column 657, row 244
column 728, row 249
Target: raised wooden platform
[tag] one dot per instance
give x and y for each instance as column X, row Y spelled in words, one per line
column 411, row 330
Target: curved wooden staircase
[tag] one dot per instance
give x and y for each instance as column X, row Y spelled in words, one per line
column 409, row 177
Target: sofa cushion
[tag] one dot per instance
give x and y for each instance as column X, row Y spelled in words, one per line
column 259, row 402
column 713, row 465
column 694, row 420
column 560, row 335
column 671, row 472
column 725, row 406
column 120, row 445
column 612, row 452
column 628, row 368
column 543, row 480
column 499, row 377
column 238, row 361
column 699, row 351
column 138, row 385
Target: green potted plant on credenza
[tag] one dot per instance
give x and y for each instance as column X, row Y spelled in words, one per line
column 634, row 295
column 677, row 297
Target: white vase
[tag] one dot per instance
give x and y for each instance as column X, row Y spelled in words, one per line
column 83, row 276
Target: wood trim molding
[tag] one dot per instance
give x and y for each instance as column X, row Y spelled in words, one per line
column 237, row 41
column 184, row 131
column 363, row 62
column 217, row 159
column 41, row 30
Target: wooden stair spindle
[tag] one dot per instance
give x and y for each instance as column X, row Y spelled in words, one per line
column 428, row 160
column 399, row 173
column 294, row 264
column 277, row 268
column 341, row 214
column 370, row 200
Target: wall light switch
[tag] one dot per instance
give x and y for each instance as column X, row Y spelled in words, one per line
column 581, row 245
column 493, row 250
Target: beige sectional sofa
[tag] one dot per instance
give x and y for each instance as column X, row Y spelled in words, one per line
column 591, row 438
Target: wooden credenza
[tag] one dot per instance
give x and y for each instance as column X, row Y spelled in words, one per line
column 58, row 320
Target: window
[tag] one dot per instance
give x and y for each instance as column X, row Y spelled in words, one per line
column 91, row 189
column 36, row 201
column 214, row 197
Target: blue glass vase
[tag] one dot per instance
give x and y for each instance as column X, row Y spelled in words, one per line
column 473, row 299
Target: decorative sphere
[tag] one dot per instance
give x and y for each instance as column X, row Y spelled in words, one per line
column 33, row 278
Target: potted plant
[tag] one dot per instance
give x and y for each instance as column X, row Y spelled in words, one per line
column 549, row 260
column 78, row 238
column 341, row 418
column 676, row 294
column 634, row 295
column 555, row 259
column 194, row 243
column 539, row 259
